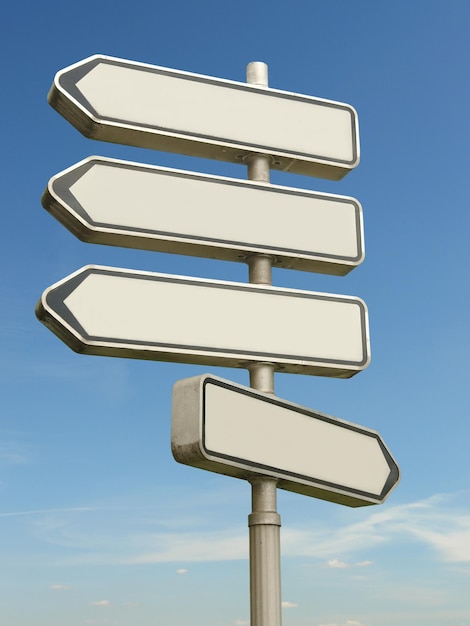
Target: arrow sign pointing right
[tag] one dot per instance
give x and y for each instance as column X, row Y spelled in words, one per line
column 230, row 429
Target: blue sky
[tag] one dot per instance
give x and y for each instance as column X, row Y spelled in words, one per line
column 98, row 524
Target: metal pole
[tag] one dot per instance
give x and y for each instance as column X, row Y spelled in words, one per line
column 264, row 522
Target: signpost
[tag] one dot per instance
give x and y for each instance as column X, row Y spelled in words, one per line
column 117, row 312
column 230, row 429
column 217, row 425
column 147, row 106
column 139, row 206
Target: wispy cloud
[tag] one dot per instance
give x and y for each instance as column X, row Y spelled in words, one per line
column 288, row 605
column 14, row 453
column 224, row 545
column 59, row 587
column 33, row 512
column 433, row 521
column 437, row 522
column 181, row 571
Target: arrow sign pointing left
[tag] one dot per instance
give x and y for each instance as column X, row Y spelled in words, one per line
column 140, row 206
column 154, row 107
column 117, row 312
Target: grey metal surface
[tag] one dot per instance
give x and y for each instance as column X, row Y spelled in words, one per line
column 144, row 105
column 264, row 522
column 119, row 312
column 128, row 204
column 264, row 525
column 231, row 429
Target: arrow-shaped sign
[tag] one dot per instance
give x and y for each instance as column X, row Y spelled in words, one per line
column 153, row 107
column 230, row 429
column 117, row 312
column 139, row 206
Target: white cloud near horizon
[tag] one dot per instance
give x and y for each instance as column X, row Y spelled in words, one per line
column 349, row 622
column 337, row 564
column 100, row 603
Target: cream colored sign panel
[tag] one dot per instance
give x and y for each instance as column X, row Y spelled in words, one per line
column 120, row 203
column 230, row 429
column 145, row 105
column 119, row 312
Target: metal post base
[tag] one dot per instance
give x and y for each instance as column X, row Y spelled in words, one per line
column 265, row 576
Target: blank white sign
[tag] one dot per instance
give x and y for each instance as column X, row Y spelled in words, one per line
column 120, row 203
column 236, row 430
column 120, row 312
column 149, row 106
